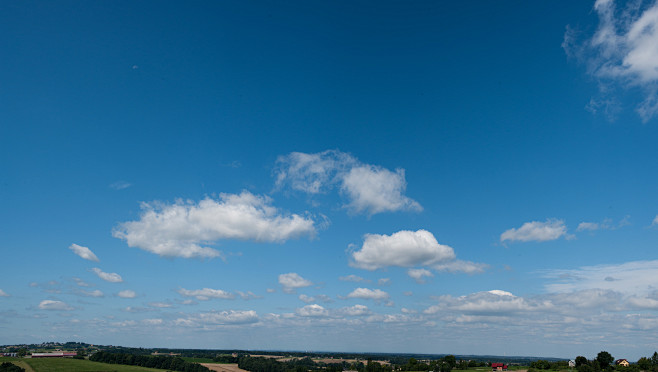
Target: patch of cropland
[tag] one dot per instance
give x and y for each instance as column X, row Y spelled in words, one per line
column 170, row 363
column 79, row 365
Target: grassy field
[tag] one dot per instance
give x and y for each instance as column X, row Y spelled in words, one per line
column 72, row 365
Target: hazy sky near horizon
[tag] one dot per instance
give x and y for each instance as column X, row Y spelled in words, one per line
column 431, row 177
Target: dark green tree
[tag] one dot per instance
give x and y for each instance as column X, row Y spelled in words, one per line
column 581, row 361
column 644, row 363
column 605, row 359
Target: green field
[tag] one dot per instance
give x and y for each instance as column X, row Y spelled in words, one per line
column 73, row 365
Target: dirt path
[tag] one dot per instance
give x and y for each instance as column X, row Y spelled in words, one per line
column 223, row 367
column 22, row 364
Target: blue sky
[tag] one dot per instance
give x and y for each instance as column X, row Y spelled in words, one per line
column 467, row 178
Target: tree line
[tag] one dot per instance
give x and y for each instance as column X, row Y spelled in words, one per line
column 159, row 362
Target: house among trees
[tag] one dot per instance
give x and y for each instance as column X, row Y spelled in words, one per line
column 498, row 367
column 622, row 362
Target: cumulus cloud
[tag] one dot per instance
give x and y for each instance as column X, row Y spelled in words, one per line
column 108, row 277
column 3, row 293
column 404, row 249
column 54, row 305
column 314, row 310
column 370, row 189
column 127, row 294
column 369, row 294
column 180, row 229
column 83, row 252
column 623, row 52
column 419, row 275
column 551, row 229
column 292, row 281
column 206, row 294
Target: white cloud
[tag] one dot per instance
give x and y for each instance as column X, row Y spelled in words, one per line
column 419, row 274
column 369, row 188
column 459, row 266
column 623, row 51
column 206, row 293
column 356, row 310
column 83, row 252
column 54, row 305
column 180, row 229
column 81, row 282
column 307, row 299
column 152, row 322
column 537, row 231
column 636, row 277
column 247, row 295
column 655, row 221
column 291, row 281
column 161, row 305
column 213, row 319
column 383, row 282
column 3, row 293
column 375, row 190
column 588, row 226
column 120, row 185
column 314, row 310
column 369, row 294
column 352, row 278
column 127, row 294
column 94, row 293
column 404, row 248
column 108, row 277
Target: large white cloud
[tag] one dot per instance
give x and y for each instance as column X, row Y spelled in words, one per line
column 292, row 281
column 180, row 229
column 206, row 294
column 623, row 51
column 54, row 305
column 551, row 229
column 404, row 249
column 108, row 277
column 83, row 252
column 370, row 189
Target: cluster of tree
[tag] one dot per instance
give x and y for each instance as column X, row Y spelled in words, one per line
column 543, row 364
column 225, row 358
column 649, row 363
column 444, row 364
column 159, row 362
column 10, row 367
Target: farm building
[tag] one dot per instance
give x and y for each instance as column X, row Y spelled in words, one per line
column 622, row 362
column 57, row 354
column 498, row 367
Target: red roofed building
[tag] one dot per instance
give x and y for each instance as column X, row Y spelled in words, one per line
column 498, row 367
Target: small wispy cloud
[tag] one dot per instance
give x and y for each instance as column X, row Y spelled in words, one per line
column 54, row 305
column 108, row 277
column 120, row 185
column 83, row 252
column 127, row 294
column 3, row 293
column 537, row 231
column 621, row 54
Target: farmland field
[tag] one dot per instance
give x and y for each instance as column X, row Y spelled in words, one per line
column 227, row 367
column 78, row 365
